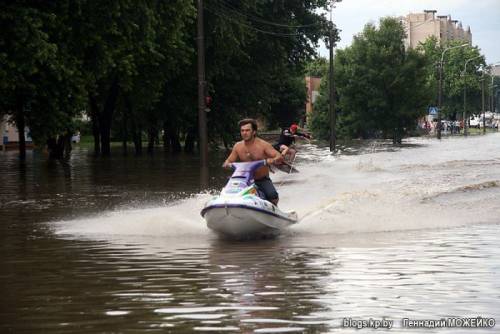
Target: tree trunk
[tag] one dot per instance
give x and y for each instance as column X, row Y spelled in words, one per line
column 59, row 147
column 138, row 142
column 151, row 140
column 127, row 110
column 171, row 138
column 189, row 142
column 20, row 123
column 67, row 147
column 53, row 148
column 94, row 112
column 176, row 143
column 124, row 146
column 137, row 139
column 107, row 116
column 166, row 142
column 397, row 136
column 224, row 141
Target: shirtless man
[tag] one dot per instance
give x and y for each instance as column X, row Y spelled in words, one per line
column 252, row 148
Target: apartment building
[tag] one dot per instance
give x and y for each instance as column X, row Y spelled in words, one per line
column 420, row 26
column 495, row 70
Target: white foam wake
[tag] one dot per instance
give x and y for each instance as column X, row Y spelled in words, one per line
column 429, row 185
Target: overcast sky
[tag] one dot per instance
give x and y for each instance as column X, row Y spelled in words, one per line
column 483, row 17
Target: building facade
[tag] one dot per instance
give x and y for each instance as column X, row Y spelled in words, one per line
column 420, row 26
column 10, row 135
column 495, row 70
column 312, row 84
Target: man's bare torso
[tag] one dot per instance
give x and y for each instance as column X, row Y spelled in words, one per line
column 252, row 151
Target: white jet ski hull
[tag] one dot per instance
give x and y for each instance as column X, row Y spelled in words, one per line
column 242, row 221
column 239, row 212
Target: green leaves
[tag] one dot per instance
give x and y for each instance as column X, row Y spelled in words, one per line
column 454, row 77
column 135, row 62
column 39, row 78
column 381, row 87
column 256, row 53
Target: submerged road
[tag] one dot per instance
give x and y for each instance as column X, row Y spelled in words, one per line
column 386, row 234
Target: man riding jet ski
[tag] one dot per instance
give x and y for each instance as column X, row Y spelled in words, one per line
column 247, row 206
column 252, row 148
column 241, row 212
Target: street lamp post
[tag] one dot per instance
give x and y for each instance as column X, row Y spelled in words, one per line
column 491, row 95
column 333, row 115
column 492, row 104
column 440, row 88
column 483, row 111
column 464, row 73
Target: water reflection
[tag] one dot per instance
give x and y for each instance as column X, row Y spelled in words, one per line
column 227, row 286
column 282, row 285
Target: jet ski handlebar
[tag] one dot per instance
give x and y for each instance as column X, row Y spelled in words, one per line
column 250, row 166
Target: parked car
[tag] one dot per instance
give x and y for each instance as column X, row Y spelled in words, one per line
column 75, row 138
column 474, row 122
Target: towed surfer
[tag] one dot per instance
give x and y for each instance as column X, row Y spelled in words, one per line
column 287, row 139
column 252, row 148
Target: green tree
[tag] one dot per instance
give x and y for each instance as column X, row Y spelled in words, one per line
column 127, row 48
column 256, row 53
column 131, row 65
column 318, row 67
column 290, row 95
column 381, row 87
column 454, row 78
column 39, row 79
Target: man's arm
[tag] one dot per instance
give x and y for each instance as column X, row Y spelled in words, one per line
column 272, row 155
column 303, row 135
column 233, row 156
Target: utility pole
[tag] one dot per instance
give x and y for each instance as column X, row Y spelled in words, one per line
column 482, row 103
column 333, row 114
column 493, row 98
column 202, row 117
column 464, row 116
column 464, row 74
column 490, row 66
column 492, row 95
column 440, row 100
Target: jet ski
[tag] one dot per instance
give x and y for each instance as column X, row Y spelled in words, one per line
column 241, row 212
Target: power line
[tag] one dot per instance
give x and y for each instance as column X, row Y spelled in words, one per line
column 249, row 26
column 231, row 7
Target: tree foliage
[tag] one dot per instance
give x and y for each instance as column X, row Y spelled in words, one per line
column 454, row 77
column 381, row 87
column 256, row 55
column 317, row 67
column 132, row 65
column 39, row 79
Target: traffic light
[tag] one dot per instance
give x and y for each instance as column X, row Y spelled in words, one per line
column 208, row 103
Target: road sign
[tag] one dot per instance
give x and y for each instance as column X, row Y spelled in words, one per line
column 433, row 110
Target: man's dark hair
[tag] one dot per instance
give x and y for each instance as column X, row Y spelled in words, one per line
column 248, row 121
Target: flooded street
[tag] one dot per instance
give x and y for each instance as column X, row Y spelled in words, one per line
column 119, row 246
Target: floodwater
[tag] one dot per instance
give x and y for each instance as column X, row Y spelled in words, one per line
column 118, row 246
